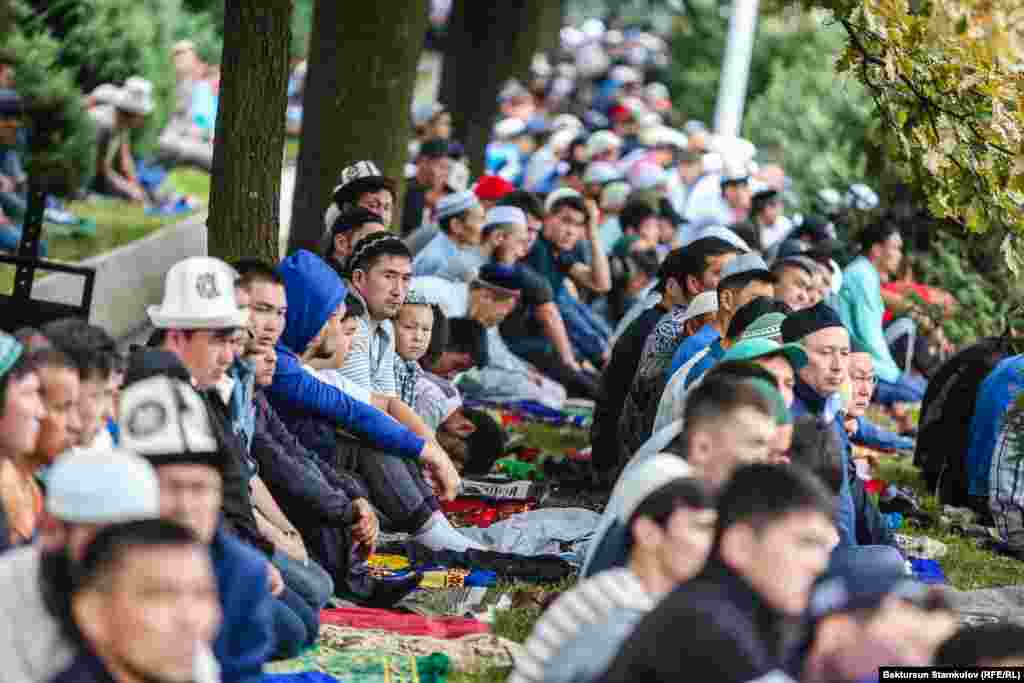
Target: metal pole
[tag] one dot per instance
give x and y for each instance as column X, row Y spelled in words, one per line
column 732, row 88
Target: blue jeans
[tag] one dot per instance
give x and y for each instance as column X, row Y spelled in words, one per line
column 588, row 332
column 296, row 625
column 870, row 560
column 10, row 237
column 907, row 389
column 312, row 583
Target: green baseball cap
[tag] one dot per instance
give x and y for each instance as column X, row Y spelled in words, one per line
column 768, row 326
column 752, row 349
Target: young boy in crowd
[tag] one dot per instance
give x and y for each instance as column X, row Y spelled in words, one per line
column 436, row 399
column 670, row 518
column 772, row 541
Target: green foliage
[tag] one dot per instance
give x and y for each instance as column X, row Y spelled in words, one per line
column 813, row 123
column 108, row 41
column 946, row 81
column 984, row 310
column 63, row 140
column 202, row 22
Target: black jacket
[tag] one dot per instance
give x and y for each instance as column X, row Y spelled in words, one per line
column 715, row 627
column 237, row 505
column 615, row 384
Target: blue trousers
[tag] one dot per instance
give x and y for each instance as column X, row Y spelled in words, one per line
column 296, row 625
column 872, row 560
column 907, row 389
column 588, row 332
column 10, row 237
column 310, row 581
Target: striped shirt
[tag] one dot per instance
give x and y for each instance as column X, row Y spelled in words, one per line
column 590, row 602
column 371, row 362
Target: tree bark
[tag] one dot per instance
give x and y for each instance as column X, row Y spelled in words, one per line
column 249, row 150
column 362, row 67
column 553, row 16
column 488, row 43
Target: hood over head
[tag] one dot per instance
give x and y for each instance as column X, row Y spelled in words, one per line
column 314, row 291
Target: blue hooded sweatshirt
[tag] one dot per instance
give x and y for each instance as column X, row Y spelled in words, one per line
column 995, row 395
column 314, row 292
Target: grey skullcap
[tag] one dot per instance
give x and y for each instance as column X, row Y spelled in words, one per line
column 102, row 488
column 455, row 203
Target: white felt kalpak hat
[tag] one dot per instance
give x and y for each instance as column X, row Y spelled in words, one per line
column 199, row 294
column 649, row 476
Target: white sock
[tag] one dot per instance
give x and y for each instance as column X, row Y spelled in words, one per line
column 439, row 534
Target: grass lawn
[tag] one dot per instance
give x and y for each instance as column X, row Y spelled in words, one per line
column 966, row 566
column 117, row 223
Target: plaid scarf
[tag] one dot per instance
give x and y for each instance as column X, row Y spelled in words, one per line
column 407, row 373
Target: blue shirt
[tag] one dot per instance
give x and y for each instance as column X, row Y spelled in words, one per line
column 996, row 394
column 710, row 359
column 808, row 402
column 438, row 256
column 701, row 339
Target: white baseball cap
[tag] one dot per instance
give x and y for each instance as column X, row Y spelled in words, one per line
column 199, row 293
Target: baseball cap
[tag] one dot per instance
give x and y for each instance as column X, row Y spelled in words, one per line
column 749, row 265
column 850, row 585
column 702, row 304
column 752, row 349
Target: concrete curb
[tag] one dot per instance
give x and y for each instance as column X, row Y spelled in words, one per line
column 129, row 278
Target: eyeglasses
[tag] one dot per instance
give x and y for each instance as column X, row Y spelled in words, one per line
column 869, row 379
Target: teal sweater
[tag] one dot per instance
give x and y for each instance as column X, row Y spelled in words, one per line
column 861, row 309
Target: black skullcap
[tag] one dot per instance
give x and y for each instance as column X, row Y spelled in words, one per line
column 500, row 275
column 354, row 218
column 808, row 321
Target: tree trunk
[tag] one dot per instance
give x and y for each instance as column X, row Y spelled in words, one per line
column 362, row 67
column 249, row 150
column 487, row 44
column 553, row 16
